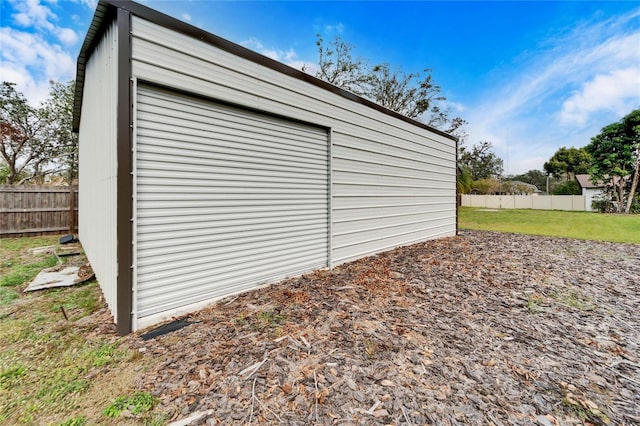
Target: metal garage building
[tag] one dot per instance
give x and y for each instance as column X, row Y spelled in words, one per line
column 207, row 169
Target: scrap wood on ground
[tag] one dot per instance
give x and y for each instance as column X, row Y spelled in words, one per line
column 76, row 270
column 484, row 328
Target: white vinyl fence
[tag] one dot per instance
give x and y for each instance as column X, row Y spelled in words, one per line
column 536, row 202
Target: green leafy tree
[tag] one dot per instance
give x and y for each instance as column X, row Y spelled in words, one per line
column 569, row 187
column 568, row 162
column 4, row 172
column 465, row 180
column 537, row 178
column 487, row 186
column 632, row 125
column 36, row 141
column 517, row 187
column 413, row 95
column 22, row 143
column 481, row 161
column 533, row 177
column 407, row 94
column 338, row 67
column 57, row 112
column 616, row 157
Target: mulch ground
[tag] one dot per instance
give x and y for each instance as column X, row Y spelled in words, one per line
column 483, row 328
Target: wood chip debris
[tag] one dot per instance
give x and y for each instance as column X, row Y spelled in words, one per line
column 483, row 328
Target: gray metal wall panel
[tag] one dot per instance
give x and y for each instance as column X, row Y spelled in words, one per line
column 98, row 164
column 393, row 183
column 387, row 195
column 177, row 60
column 226, row 199
column 363, row 244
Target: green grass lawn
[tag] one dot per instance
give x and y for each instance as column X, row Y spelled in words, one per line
column 54, row 368
column 582, row 225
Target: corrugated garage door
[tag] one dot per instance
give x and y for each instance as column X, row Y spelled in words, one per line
column 226, row 199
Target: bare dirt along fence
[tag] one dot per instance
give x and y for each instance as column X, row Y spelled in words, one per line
column 28, row 210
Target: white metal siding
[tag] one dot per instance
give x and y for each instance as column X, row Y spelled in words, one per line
column 98, row 164
column 226, row 199
column 389, row 191
column 393, row 183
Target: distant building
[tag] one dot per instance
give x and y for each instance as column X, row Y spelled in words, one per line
column 590, row 190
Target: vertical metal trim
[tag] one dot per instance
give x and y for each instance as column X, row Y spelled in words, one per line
column 330, row 198
column 134, row 206
column 124, row 179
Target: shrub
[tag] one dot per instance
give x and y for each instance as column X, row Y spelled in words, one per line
column 570, row 187
column 603, row 205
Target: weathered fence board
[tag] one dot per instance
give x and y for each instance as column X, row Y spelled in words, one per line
column 28, row 210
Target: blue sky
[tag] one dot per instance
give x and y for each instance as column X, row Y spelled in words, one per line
column 528, row 76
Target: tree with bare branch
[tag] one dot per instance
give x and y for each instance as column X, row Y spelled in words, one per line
column 37, row 141
column 22, row 145
column 414, row 95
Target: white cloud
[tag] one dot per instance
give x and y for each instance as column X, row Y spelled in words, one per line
column 91, row 4
column 67, row 36
column 337, row 28
column 288, row 57
column 186, row 17
column 522, row 165
column 562, row 93
column 32, row 13
column 278, row 55
column 35, row 48
column 22, row 19
column 457, row 107
column 618, row 91
column 552, row 73
column 30, row 61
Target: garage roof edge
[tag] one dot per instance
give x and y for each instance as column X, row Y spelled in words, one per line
column 105, row 12
column 103, row 15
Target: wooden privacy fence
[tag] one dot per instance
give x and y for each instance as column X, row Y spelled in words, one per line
column 536, row 202
column 28, row 210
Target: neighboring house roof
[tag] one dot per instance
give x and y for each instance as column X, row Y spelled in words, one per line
column 585, row 182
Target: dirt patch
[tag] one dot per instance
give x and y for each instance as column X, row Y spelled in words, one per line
column 484, row 328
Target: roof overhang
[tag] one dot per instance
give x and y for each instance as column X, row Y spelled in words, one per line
column 106, row 12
